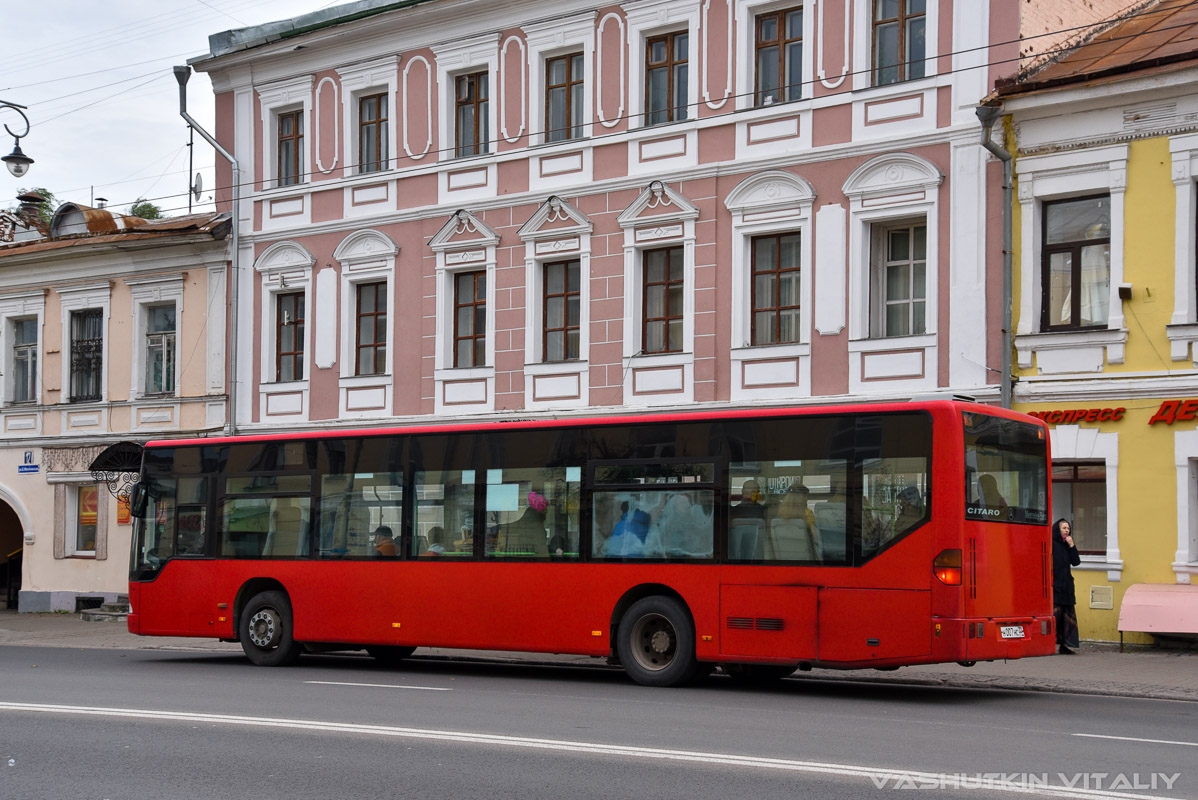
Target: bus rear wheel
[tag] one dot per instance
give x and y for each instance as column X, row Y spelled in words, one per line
column 389, row 655
column 266, row 630
column 656, row 642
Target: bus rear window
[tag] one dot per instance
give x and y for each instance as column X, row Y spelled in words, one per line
column 1006, row 478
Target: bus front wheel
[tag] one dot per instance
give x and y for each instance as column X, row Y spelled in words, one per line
column 266, row 632
column 656, row 642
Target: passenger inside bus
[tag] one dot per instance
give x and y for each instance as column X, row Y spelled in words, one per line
column 793, row 535
column 436, row 541
column 526, row 536
column 910, row 508
column 746, row 523
column 628, row 537
column 988, row 485
column 384, row 544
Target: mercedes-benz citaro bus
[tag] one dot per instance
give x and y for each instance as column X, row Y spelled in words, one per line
column 765, row 540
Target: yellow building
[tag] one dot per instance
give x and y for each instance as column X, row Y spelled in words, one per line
column 1105, row 301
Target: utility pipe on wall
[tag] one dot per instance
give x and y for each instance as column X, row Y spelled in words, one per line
column 182, row 74
column 988, row 115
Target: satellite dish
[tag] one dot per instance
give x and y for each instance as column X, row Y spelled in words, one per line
column 197, row 187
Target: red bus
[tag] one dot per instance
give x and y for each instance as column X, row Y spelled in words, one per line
column 863, row 536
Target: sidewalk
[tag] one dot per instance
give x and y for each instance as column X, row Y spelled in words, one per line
column 1098, row 669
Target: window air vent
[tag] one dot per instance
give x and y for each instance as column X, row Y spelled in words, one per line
column 740, row 623
column 767, row 624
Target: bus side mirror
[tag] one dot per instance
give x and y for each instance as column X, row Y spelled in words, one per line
column 137, row 500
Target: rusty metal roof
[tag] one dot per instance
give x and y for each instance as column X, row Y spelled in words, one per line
column 133, row 229
column 1161, row 36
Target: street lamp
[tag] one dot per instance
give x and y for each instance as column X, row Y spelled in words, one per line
column 16, row 161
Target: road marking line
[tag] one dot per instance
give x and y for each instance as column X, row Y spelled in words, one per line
column 876, row 774
column 1134, row 739
column 381, row 686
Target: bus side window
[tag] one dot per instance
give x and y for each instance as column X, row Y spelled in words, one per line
column 788, row 510
column 533, row 512
column 444, row 517
column 353, row 509
column 894, row 502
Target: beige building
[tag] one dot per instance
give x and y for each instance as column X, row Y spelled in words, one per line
column 112, row 329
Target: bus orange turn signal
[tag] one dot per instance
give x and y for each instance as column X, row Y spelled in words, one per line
column 947, row 567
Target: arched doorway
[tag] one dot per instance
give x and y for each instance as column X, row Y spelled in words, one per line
column 11, row 535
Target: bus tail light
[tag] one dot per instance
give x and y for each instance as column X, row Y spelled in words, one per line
column 947, row 567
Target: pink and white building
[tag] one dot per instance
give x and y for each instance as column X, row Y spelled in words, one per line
column 458, row 208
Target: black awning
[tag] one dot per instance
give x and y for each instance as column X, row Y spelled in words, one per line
column 120, row 457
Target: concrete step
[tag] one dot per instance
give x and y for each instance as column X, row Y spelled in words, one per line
column 104, row 615
column 122, row 608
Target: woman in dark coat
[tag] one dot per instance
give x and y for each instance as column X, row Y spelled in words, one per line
column 1064, row 555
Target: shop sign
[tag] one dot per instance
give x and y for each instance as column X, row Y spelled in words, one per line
column 1072, row 416
column 1175, row 411
column 27, row 466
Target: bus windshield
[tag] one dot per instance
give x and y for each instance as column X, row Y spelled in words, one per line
column 1006, row 478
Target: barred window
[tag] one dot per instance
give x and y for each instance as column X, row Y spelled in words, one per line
column 87, row 354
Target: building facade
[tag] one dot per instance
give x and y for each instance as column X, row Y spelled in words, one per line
column 112, row 329
column 452, row 210
column 1106, row 158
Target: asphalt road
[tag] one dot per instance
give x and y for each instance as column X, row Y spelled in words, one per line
column 121, row 724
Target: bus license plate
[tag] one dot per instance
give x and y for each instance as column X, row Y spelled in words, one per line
column 1012, row 631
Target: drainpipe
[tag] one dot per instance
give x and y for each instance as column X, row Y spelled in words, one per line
column 988, row 115
column 182, row 74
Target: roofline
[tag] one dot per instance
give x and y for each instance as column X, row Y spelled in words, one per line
column 238, row 40
column 1015, row 89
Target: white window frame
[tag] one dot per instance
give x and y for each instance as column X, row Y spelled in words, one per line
column 476, row 54
column 71, row 534
column 365, row 256
column 280, row 98
column 649, row 18
column 571, row 241
column 1075, row 443
column 889, row 189
column 15, row 308
column 1061, row 176
column 363, row 80
column 1183, row 328
column 146, row 293
column 673, row 228
column 82, row 298
column 455, row 255
column 747, row 12
column 1185, row 560
column 282, row 268
column 878, row 261
column 770, row 203
column 554, row 38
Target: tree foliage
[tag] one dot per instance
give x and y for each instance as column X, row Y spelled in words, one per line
column 145, row 209
column 45, row 209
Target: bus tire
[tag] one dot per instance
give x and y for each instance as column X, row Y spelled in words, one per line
column 656, row 642
column 266, row 630
column 389, row 655
column 758, row 673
